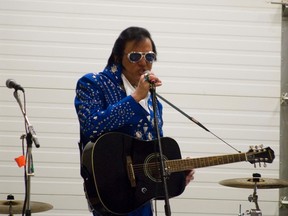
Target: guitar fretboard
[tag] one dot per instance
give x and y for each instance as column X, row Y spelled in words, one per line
column 188, row 164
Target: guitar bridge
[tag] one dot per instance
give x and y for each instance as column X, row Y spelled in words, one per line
column 130, row 171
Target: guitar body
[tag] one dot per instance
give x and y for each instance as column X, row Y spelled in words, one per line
column 121, row 170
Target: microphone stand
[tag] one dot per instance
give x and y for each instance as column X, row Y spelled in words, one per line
column 163, row 169
column 30, row 138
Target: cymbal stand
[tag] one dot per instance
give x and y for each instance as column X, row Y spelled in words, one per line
column 10, row 198
column 254, row 197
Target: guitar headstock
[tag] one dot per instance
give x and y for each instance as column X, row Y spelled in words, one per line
column 258, row 154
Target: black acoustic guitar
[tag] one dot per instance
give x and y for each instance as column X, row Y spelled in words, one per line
column 124, row 172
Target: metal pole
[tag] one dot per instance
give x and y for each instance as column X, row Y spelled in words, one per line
column 283, row 174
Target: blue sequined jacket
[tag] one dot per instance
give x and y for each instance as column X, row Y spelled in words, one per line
column 103, row 106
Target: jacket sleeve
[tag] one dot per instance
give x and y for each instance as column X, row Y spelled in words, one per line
column 101, row 108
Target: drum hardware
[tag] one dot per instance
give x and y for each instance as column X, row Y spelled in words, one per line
column 284, row 202
column 254, row 197
column 256, row 182
column 252, row 212
column 11, row 206
column 263, row 183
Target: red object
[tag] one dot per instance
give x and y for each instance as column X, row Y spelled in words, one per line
column 21, row 161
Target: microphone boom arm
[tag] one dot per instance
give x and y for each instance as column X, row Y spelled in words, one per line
column 195, row 121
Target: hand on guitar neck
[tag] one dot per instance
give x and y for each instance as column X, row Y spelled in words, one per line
column 189, row 176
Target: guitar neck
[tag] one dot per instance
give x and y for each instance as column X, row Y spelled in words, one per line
column 188, row 164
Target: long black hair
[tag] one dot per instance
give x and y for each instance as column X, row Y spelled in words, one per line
column 130, row 34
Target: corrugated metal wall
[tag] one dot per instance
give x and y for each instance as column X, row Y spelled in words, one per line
column 219, row 61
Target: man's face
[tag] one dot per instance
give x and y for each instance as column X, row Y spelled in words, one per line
column 133, row 71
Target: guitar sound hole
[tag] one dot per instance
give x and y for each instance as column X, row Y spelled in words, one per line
column 152, row 167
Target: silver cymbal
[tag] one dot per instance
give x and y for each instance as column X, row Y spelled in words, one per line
column 16, row 206
column 262, row 183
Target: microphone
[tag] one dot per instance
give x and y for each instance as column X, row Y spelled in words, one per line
column 10, row 83
column 151, row 82
column 146, row 73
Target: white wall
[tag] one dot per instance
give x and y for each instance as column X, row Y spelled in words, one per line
column 219, row 61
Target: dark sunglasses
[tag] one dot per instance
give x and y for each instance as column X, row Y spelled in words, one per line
column 135, row 57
